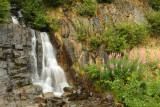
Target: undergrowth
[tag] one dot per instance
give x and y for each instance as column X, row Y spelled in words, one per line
column 129, row 77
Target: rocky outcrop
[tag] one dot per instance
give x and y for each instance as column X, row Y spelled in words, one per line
column 106, row 15
column 16, row 62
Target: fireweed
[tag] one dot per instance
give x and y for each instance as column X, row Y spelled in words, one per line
column 129, row 76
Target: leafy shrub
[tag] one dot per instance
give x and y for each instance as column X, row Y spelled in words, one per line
column 105, row 1
column 34, row 14
column 40, row 20
column 128, row 77
column 154, row 21
column 54, row 25
column 54, row 3
column 95, row 42
column 15, row 1
column 4, row 10
column 124, row 36
column 93, row 71
column 82, row 31
column 88, row 8
column 155, row 4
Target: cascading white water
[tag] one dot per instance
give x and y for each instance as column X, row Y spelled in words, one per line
column 52, row 77
column 20, row 14
column 15, row 20
column 35, row 76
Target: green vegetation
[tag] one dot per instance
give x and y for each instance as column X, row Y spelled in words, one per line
column 154, row 21
column 88, row 8
column 94, row 42
column 82, row 31
column 155, row 4
column 105, row 1
column 56, row 3
column 124, row 36
column 4, row 10
column 33, row 11
column 129, row 78
column 54, row 25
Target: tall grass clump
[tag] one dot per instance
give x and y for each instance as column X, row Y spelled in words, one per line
column 129, row 77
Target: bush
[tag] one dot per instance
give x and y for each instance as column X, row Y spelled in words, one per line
column 155, row 4
column 56, row 3
column 15, row 1
column 40, row 20
column 82, row 31
column 52, row 3
column 34, row 14
column 154, row 21
column 129, row 77
column 4, row 10
column 105, row 1
column 124, row 36
column 54, row 25
column 94, row 42
column 88, row 8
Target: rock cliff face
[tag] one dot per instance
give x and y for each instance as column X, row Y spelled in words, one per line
column 106, row 15
column 15, row 62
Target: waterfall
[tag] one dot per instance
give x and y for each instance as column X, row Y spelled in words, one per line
column 35, row 76
column 52, row 78
column 20, row 14
column 15, row 20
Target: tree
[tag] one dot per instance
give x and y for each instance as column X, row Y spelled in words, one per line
column 4, row 10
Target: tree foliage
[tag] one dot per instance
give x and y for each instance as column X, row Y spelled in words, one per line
column 4, row 10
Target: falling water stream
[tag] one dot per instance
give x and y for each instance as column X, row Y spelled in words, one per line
column 52, row 77
column 15, row 20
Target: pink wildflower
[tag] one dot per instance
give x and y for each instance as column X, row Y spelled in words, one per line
column 129, row 60
column 106, row 69
column 142, row 48
column 159, row 57
column 120, row 55
column 131, row 52
column 117, row 55
column 102, row 68
column 112, row 72
column 137, row 67
column 124, row 52
column 144, row 62
column 135, row 50
column 110, row 56
column 103, row 60
column 116, row 65
column 134, row 58
column 128, row 69
column 113, row 54
column 140, row 53
column 111, row 65
column 121, row 66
